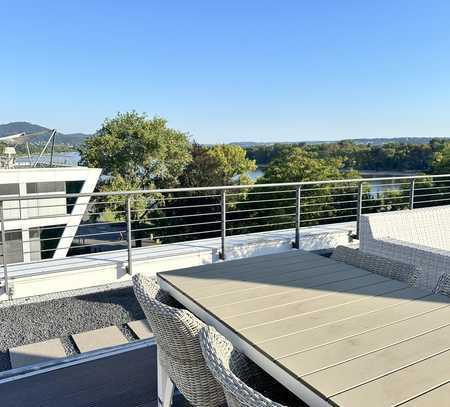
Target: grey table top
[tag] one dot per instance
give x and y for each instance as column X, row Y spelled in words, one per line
column 332, row 333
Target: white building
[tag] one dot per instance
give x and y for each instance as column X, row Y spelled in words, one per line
column 38, row 229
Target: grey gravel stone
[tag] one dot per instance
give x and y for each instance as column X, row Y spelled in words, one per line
column 36, row 322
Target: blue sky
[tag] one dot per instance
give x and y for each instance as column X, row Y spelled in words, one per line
column 231, row 70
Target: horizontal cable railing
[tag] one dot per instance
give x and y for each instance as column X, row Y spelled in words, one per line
column 37, row 227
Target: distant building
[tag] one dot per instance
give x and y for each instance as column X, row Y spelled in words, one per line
column 37, row 229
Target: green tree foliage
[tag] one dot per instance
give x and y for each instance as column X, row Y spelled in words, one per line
column 144, row 152
column 296, row 164
column 441, row 160
column 275, row 207
column 232, row 164
column 135, row 153
column 222, row 164
column 385, row 157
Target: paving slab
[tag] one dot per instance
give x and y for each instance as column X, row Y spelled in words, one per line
column 36, row 352
column 99, row 338
column 141, row 329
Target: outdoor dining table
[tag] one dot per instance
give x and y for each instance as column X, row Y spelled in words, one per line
column 331, row 333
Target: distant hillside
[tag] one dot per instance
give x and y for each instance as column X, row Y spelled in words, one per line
column 73, row 139
column 373, row 141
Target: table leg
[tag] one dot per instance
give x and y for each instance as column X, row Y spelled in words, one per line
column 165, row 385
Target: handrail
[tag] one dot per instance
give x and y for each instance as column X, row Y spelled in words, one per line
column 226, row 205
column 218, row 188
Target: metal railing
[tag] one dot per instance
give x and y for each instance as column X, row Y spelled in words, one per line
column 57, row 225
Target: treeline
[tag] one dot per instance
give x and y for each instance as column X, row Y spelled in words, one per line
column 137, row 153
column 387, row 157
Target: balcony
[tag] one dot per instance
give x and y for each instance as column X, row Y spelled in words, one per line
column 125, row 233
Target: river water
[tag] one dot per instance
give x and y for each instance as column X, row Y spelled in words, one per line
column 375, row 187
column 73, row 158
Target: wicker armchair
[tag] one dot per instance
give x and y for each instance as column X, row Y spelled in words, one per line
column 244, row 383
column 376, row 264
column 443, row 285
column 176, row 332
column 420, row 237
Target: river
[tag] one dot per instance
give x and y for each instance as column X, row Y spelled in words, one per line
column 375, row 188
column 73, row 158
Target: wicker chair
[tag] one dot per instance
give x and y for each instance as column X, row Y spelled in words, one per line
column 420, row 237
column 443, row 285
column 394, row 269
column 176, row 332
column 244, row 383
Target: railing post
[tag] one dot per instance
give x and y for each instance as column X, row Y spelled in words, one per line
column 129, row 238
column 298, row 197
column 359, row 208
column 223, row 223
column 411, row 193
column 5, row 261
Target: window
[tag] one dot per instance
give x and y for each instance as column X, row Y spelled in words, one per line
column 44, row 241
column 46, row 187
column 13, row 246
column 73, row 187
column 9, row 189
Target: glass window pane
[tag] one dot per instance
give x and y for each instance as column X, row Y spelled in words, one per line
column 9, row 189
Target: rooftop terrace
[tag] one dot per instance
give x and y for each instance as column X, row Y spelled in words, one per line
column 79, row 313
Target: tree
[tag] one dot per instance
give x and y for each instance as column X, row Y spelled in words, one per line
column 144, row 152
column 275, row 206
column 232, row 164
column 441, row 160
column 296, row 165
column 199, row 211
column 223, row 164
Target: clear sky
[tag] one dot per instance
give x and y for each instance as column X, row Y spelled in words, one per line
column 231, row 70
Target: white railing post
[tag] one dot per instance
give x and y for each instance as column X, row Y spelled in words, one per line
column 223, row 222
column 5, row 260
column 411, row 193
column 129, row 236
column 359, row 208
column 298, row 216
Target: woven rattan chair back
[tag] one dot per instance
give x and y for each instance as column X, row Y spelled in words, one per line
column 228, row 366
column 177, row 335
column 394, row 269
column 443, row 285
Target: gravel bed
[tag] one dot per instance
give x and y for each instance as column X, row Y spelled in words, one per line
column 59, row 318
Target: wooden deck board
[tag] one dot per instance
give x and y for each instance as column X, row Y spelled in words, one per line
column 282, row 312
column 316, row 330
column 292, row 295
column 348, row 334
column 327, row 355
column 435, row 397
column 368, row 367
column 224, row 267
column 303, row 279
column 216, row 283
column 397, row 386
column 365, row 309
